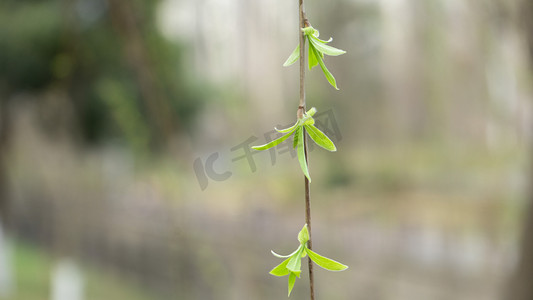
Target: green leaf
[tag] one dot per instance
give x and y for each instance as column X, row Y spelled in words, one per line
column 307, row 120
column 303, row 235
column 301, row 156
column 292, row 280
column 324, row 262
column 322, row 41
column 297, row 134
column 290, row 129
column 311, row 112
column 293, row 57
column 312, row 60
column 273, row 143
column 309, row 31
column 323, row 48
column 327, row 73
column 295, row 262
column 281, row 269
column 284, row 256
column 320, row 138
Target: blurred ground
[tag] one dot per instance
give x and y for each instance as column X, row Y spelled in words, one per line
column 413, row 222
column 33, row 269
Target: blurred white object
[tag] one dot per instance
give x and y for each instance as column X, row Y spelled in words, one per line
column 67, row 281
column 6, row 270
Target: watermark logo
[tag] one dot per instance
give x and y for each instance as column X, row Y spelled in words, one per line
column 204, row 167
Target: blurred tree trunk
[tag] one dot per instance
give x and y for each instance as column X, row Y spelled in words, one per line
column 520, row 287
column 125, row 19
column 4, row 141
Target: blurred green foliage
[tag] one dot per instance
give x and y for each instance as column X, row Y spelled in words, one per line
column 30, row 39
column 77, row 48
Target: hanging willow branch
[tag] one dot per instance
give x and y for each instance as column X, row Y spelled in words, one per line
column 304, row 126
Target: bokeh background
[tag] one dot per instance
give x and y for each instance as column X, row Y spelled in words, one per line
column 125, row 127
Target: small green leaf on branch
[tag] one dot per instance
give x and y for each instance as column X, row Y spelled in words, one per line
column 281, row 269
column 320, row 138
column 292, row 264
column 317, row 48
column 303, row 235
column 324, row 262
column 297, row 131
column 293, row 57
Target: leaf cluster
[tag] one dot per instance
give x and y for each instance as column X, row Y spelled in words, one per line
column 316, row 51
column 292, row 264
column 305, row 124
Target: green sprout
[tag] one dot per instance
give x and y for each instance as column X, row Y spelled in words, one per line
column 297, row 129
column 292, row 264
column 316, row 50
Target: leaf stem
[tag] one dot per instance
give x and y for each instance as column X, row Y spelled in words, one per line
column 303, row 22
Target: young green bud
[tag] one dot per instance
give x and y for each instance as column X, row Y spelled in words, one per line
column 303, row 236
column 308, row 30
column 311, row 112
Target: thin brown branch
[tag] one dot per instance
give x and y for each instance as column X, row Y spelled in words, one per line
column 308, row 222
column 301, row 109
column 301, row 24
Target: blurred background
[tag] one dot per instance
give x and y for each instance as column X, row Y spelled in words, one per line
column 125, row 169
